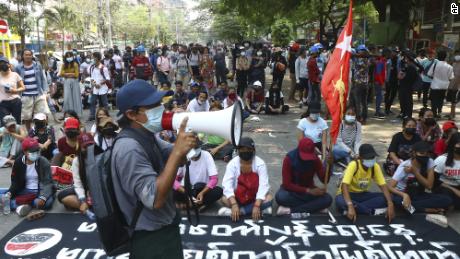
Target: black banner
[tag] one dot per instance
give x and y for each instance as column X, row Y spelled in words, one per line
column 70, row 236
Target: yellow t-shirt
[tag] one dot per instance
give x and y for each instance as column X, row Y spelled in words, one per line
column 361, row 180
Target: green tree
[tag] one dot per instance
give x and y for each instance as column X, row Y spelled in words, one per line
column 281, row 32
column 61, row 18
column 228, row 28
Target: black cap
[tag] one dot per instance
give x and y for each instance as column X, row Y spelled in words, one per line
column 421, row 146
column 367, row 151
column 247, row 142
column 314, row 107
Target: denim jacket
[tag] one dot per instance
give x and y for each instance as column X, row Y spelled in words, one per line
column 42, row 83
column 389, row 67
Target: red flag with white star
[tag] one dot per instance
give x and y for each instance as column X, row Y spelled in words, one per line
column 334, row 86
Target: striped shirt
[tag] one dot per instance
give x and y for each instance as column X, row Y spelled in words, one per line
column 30, row 82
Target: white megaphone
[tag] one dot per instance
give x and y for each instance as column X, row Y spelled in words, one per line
column 227, row 123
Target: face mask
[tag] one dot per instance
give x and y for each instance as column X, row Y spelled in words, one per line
column 4, row 67
column 430, row 121
column 182, row 55
column 232, row 96
column 457, row 150
column 243, row 53
column 246, row 45
column 423, row 160
column 88, row 60
column 154, row 116
column 160, row 52
column 199, row 102
column 69, row 59
column 198, row 153
column 108, row 132
column 40, row 124
column 72, row 134
column 259, row 53
column 457, row 58
column 350, row 118
column 34, row 156
column 246, row 156
column 368, row 163
column 314, row 116
column 410, row 131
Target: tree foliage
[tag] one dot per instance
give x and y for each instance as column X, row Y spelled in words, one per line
column 62, row 19
column 281, row 32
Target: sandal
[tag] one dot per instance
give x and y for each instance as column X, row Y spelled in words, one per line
column 34, row 215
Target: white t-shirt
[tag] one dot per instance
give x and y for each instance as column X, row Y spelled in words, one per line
column 402, row 177
column 313, row 130
column 31, row 177
column 194, row 106
column 442, row 73
column 200, row 170
column 448, row 174
column 118, row 62
column 106, row 142
column 95, row 74
column 225, row 102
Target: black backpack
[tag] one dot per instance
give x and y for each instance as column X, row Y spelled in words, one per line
column 114, row 232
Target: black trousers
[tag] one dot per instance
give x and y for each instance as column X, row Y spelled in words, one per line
column 437, row 100
column 242, row 79
column 390, row 94
column 424, row 93
column 221, row 76
column 13, row 107
column 405, row 100
column 278, row 80
column 359, row 97
column 209, row 198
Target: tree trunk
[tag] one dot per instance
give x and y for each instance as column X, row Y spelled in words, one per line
column 63, row 44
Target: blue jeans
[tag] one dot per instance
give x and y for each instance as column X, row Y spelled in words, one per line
column 340, row 154
column 378, row 97
column 425, row 201
column 364, row 202
column 162, row 78
column 302, row 202
column 13, row 205
column 247, row 209
column 101, row 99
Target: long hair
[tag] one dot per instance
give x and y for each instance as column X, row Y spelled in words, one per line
column 454, row 139
column 66, row 63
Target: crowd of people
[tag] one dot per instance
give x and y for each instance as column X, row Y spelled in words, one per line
column 423, row 159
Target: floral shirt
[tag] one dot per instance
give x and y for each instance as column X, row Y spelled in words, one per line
column 361, row 71
column 435, row 134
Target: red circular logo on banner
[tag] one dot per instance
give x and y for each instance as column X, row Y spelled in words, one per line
column 3, row 26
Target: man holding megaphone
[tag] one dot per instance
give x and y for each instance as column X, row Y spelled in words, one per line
column 137, row 177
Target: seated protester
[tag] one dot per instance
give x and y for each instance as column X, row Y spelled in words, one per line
column 222, row 92
column 76, row 197
column 353, row 196
column 440, row 146
column 199, row 104
column 31, row 182
column 412, row 178
column 166, row 87
column 73, row 114
column 11, row 137
column 298, row 192
column 180, row 98
column 194, row 91
column 100, row 113
column 203, row 178
column 255, row 98
column 314, row 127
column 44, row 134
column 105, row 134
column 231, row 98
column 401, row 146
column 274, row 101
column 217, row 146
column 349, row 138
column 245, row 184
column 448, row 170
column 427, row 127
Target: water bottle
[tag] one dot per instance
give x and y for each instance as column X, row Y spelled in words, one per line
column 91, row 216
column 299, row 215
column 6, row 204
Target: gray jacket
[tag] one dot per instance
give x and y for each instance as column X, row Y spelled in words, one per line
column 42, row 83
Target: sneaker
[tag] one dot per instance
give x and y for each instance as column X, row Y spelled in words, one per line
column 283, row 211
column 224, row 211
column 34, row 215
column 440, row 220
column 381, row 211
column 23, row 210
column 323, row 211
column 268, row 211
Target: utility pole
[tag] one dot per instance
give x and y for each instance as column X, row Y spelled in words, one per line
column 100, row 24
column 109, row 24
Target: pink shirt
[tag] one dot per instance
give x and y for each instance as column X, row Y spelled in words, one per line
column 163, row 64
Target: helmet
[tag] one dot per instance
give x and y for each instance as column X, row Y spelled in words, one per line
column 140, row 48
column 314, row 49
column 362, row 47
column 319, row 45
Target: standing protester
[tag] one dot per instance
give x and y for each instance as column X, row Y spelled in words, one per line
column 379, row 83
column 257, row 70
column 427, row 63
column 301, row 77
column 221, row 66
column 391, row 88
column 360, row 83
column 242, row 70
column 108, row 62
column 453, row 93
column 292, row 59
column 314, row 76
column 118, row 75
column 11, row 85
column 195, row 61
column 183, row 69
column 140, row 66
column 407, row 77
column 127, row 59
column 84, row 68
column 99, row 75
column 72, row 92
column 207, row 70
column 52, row 65
column 139, row 178
column 164, row 66
column 442, row 73
column 279, row 67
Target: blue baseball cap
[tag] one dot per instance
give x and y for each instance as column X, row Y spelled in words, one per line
column 319, row 45
column 137, row 93
column 4, row 59
column 314, row 49
column 362, row 47
column 140, row 48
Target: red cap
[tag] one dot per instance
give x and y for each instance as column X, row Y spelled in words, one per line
column 307, row 149
column 85, row 140
column 449, row 125
column 71, row 123
column 30, row 144
column 295, row 47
